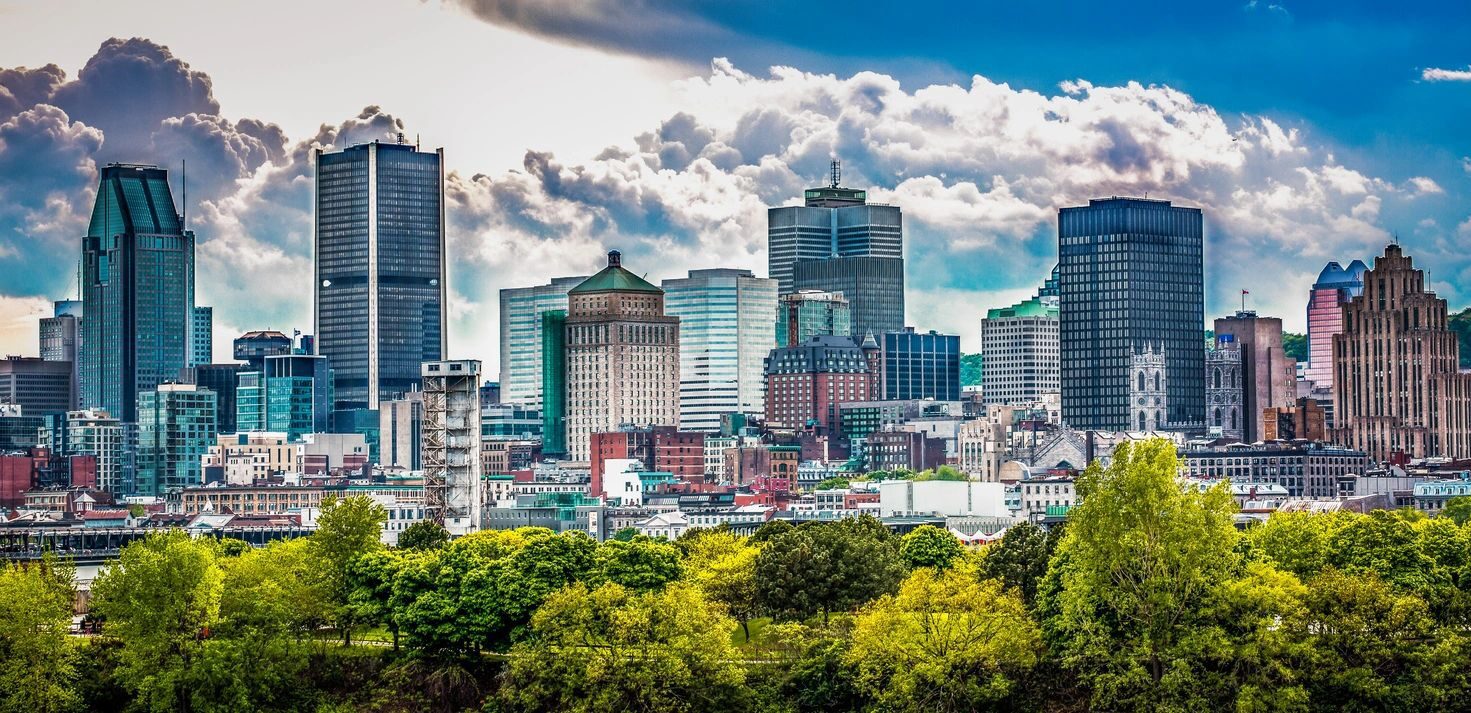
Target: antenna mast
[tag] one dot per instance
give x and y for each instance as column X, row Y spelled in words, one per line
column 836, row 172
column 184, row 213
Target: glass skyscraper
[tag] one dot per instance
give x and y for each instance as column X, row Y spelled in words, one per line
column 380, row 272
column 522, row 336
column 805, row 314
column 201, row 336
column 553, row 382
column 292, row 394
column 176, row 426
column 1336, row 285
column 1131, row 277
column 724, row 336
column 137, row 290
column 920, row 365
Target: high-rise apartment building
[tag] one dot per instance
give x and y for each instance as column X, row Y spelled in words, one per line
column 176, row 427
column 805, row 314
column 856, row 248
column 622, row 356
column 1130, row 274
column 224, row 380
column 724, row 336
column 805, row 384
column 60, row 338
column 401, row 431
column 522, row 336
column 1019, row 352
column 201, row 336
column 137, row 290
column 920, row 365
column 1397, row 387
column 451, row 452
column 380, row 268
column 292, row 394
column 95, row 433
column 1336, row 285
column 38, row 386
column 1268, row 375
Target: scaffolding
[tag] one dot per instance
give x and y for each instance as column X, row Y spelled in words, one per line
column 451, row 444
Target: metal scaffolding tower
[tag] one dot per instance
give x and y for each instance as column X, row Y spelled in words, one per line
column 451, row 452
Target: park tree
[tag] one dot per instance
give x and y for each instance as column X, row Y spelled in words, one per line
column 1137, row 570
column 423, row 535
column 1457, row 509
column 947, row 641
column 38, row 660
column 346, row 529
column 615, row 649
column 1019, row 559
column 724, row 567
column 640, row 563
column 930, row 546
column 820, row 568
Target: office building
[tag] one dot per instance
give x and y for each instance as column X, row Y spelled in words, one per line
column 137, row 290
column 400, row 431
column 96, row 433
column 554, row 382
column 1268, row 375
column 1305, row 470
column 176, row 427
column 1130, row 274
column 60, row 339
column 451, row 452
column 622, row 356
column 292, row 394
column 253, row 347
column 201, row 336
column 805, row 384
column 806, row 314
column 1397, row 387
column 920, row 365
column 224, row 380
column 19, row 432
column 510, row 422
column 380, row 268
column 38, row 386
column 1336, row 285
column 724, row 335
column 523, row 337
column 364, row 422
column 1019, row 351
column 1225, row 390
column 873, row 286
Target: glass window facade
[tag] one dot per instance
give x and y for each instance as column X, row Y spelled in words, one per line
column 921, row 366
column 176, row 426
column 724, row 337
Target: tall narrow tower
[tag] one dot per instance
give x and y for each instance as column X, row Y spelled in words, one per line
column 451, row 452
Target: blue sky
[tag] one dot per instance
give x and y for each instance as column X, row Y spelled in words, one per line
column 1306, row 131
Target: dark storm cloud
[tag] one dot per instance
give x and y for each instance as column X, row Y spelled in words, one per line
column 220, row 152
column 22, row 88
column 638, row 27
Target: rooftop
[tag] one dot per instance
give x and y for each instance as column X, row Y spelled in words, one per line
column 614, row 278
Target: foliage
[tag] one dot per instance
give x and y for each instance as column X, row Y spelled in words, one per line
column 833, row 483
column 641, row 563
column 947, row 641
column 723, row 566
column 1295, row 346
column 612, row 648
column 1460, row 323
column 38, row 661
column 944, row 472
column 1019, row 560
column 819, row 568
column 970, row 369
column 423, row 535
column 1458, row 509
column 930, row 546
column 347, row 528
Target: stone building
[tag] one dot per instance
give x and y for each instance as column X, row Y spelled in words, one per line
column 1149, row 389
column 1224, row 389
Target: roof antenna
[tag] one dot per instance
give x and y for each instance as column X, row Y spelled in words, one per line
column 184, row 215
column 837, row 172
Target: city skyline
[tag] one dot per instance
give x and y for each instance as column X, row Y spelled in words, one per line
column 1285, row 185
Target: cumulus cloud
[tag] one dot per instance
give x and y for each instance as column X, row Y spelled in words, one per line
column 1435, row 74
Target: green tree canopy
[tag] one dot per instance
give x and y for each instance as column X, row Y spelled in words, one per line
column 423, row 535
column 641, row 563
column 347, row 529
column 930, row 546
column 1019, row 560
column 38, row 661
column 819, row 568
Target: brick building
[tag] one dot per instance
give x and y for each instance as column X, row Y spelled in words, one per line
column 806, row 383
column 660, row 448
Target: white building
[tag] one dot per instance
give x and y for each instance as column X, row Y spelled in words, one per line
column 668, row 525
column 942, row 497
column 451, row 452
column 1039, row 493
column 521, row 309
column 1019, row 348
column 725, row 333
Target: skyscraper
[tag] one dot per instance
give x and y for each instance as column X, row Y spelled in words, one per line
column 401, row 431
column 554, row 382
column 292, row 394
column 805, row 314
column 380, row 268
column 253, row 347
column 622, row 356
column 859, row 247
column 1019, row 352
column 40, row 387
column 176, row 426
column 1268, row 375
column 1397, row 387
column 137, row 290
column 521, row 337
column 201, row 336
column 1336, row 285
column 724, row 336
column 1130, row 274
column 920, row 365
column 224, row 380
column 60, row 340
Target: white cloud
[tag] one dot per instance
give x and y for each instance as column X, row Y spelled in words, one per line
column 20, row 324
column 1435, row 74
column 1425, row 186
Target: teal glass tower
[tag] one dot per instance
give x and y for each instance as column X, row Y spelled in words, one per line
column 176, row 426
column 137, row 290
column 292, row 394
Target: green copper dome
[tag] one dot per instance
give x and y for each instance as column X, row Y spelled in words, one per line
column 614, row 278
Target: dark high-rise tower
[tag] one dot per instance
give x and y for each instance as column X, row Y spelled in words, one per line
column 839, row 242
column 380, row 272
column 1130, row 275
column 137, row 290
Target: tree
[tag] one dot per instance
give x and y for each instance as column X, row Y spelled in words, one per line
column 423, row 535
column 1295, row 346
column 930, row 546
column 833, row 483
column 160, row 599
column 347, row 529
column 947, row 641
column 613, row 649
column 970, row 369
column 38, row 663
column 1019, row 560
column 1458, row 509
column 1138, row 568
column 724, row 567
column 640, row 564
column 944, row 472
column 819, row 568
